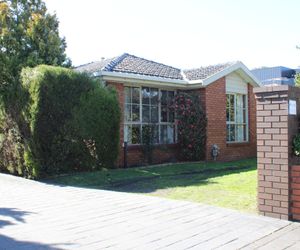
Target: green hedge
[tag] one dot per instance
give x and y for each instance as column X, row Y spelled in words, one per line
column 72, row 119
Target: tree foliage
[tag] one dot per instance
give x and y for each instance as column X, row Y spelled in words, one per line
column 28, row 37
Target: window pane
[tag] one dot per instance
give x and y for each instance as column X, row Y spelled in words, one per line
column 171, row 116
column 227, row 132
column 170, row 134
column 244, row 101
column 127, row 95
column 239, row 109
column 245, row 132
column 163, row 133
column 154, row 114
column 239, row 133
column 146, row 95
column 236, row 114
column 230, row 108
column 170, row 97
column 164, row 114
column 127, row 133
column 146, row 113
column 230, row 132
column 127, row 113
column 135, row 112
column 135, row 134
column 150, row 133
column 227, row 107
column 164, row 97
column 136, row 95
column 154, row 96
column 155, row 132
column 167, row 134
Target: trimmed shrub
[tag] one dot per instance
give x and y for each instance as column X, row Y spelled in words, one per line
column 73, row 120
column 97, row 122
column 191, row 126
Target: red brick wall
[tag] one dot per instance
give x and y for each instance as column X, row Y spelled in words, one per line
column 295, row 192
column 215, row 102
column 161, row 154
column 272, row 151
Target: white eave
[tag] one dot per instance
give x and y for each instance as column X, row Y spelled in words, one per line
column 142, row 79
column 238, row 67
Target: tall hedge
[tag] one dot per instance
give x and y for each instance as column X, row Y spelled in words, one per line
column 73, row 120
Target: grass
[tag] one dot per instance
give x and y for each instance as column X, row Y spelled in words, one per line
column 232, row 185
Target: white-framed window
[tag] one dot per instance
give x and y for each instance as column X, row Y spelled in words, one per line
column 236, row 117
column 144, row 107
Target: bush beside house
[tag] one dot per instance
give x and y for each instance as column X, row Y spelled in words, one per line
column 73, row 123
column 191, row 124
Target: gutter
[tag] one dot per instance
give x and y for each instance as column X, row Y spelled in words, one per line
column 144, row 79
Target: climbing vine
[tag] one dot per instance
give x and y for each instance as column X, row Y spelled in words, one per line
column 191, row 126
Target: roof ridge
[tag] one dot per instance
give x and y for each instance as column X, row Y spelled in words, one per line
column 114, row 62
column 183, row 75
column 153, row 61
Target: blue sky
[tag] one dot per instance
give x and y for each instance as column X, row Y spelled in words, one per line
column 182, row 33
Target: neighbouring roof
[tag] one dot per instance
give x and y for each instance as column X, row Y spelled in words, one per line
column 127, row 63
column 278, row 75
column 132, row 66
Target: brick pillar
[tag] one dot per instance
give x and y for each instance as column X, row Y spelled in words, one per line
column 295, row 192
column 272, row 151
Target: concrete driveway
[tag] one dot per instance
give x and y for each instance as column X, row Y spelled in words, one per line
column 35, row 215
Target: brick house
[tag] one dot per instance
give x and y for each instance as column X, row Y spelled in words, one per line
column 144, row 88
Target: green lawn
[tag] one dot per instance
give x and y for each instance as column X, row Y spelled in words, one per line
column 231, row 185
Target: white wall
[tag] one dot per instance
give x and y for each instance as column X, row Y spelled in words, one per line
column 235, row 84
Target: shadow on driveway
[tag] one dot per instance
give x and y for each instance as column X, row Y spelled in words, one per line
column 13, row 216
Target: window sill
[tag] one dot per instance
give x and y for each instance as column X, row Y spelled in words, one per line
column 238, row 144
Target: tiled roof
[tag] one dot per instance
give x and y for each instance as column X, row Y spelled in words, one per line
column 204, row 72
column 94, row 66
column 127, row 63
column 136, row 65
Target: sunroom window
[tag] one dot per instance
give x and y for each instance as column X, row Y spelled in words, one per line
column 148, row 107
column 236, row 117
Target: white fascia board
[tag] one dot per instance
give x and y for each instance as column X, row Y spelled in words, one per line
column 141, row 79
column 237, row 66
column 196, row 82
